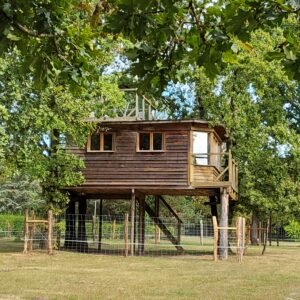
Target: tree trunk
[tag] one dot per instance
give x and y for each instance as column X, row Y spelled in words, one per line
column 82, row 245
column 70, row 233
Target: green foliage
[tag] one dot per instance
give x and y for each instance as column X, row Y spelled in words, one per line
column 19, row 193
column 52, row 58
column 12, row 223
column 57, row 39
column 171, row 38
column 293, row 229
column 253, row 99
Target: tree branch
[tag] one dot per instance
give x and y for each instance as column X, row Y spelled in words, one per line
column 24, row 29
column 198, row 23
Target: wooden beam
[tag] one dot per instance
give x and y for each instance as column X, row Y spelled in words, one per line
column 126, row 234
column 170, row 209
column 50, row 228
column 31, row 231
column 163, row 228
column 216, row 237
column 26, row 227
column 132, row 221
column 222, row 173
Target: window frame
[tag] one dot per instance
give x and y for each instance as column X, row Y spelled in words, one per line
column 101, row 134
column 151, row 141
column 206, row 155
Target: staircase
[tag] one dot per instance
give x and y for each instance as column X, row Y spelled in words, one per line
column 163, row 228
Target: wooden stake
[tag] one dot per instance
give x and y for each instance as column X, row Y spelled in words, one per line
column 201, row 232
column 132, row 222
column 113, row 229
column 26, row 231
column 239, row 235
column 243, row 237
column 216, row 237
column 126, row 234
column 31, row 231
column 50, row 248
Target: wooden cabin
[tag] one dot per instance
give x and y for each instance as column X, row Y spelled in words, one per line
column 134, row 155
column 156, row 158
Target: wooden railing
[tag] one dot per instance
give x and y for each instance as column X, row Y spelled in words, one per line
column 138, row 107
column 224, row 163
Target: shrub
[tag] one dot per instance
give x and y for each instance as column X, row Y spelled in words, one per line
column 293, row 229
column 12, row 224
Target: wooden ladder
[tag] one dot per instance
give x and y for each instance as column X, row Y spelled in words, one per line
column 163, row 228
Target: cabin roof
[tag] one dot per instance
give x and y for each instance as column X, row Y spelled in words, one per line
column 220, row 129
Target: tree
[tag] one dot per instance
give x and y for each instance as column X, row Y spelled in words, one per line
column 171, row 37
column 20, row 193
column 52, row 60
column 253, row 99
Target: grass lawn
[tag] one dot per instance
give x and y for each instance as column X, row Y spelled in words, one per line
column 275, row 275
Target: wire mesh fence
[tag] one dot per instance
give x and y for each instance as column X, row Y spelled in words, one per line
column 108, row 235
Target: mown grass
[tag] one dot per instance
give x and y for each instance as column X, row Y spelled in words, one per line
column 275, row 275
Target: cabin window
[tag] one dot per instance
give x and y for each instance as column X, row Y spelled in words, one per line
column 101, row 142
column 144, row 142
column 200, row 147
column 107, row 142
column 150, row 141
column 95, row 142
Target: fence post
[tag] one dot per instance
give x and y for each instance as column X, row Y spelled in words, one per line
column 126, row 234
column 216, row 237
column 132, row 222
column 50, row 248
column 26, row 231
column 31, row 231
column 243, row 236
column 113, row 229
column 201, row 232
column 239, row 239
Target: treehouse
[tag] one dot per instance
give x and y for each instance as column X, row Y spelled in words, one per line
column 134, row 155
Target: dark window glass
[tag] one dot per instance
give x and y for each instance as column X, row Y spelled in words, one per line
column 108, row 142
column 95, row 142
column 144, row 141
column 157, row 141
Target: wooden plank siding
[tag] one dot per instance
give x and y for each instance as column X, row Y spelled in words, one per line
column 127, row 166
column 205, row 174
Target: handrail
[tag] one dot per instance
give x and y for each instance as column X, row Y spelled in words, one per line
column 231, row 167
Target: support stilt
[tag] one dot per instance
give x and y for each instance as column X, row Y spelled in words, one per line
column 82, row 245
column 70, row 233
column 223, row 252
